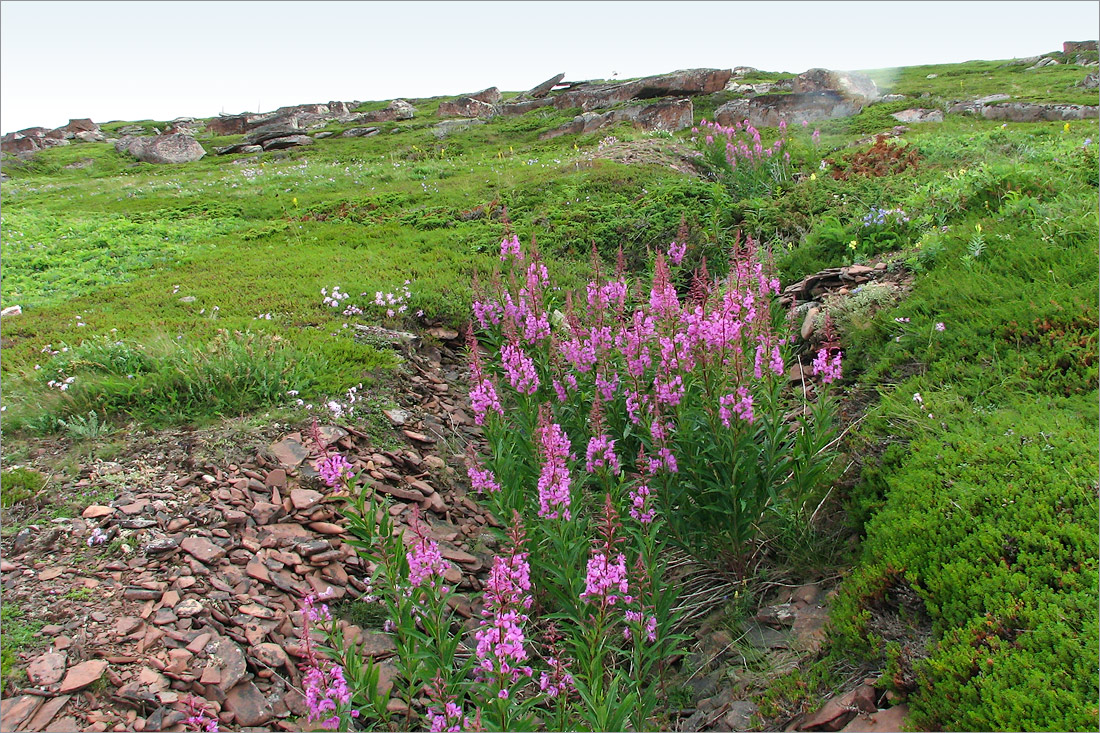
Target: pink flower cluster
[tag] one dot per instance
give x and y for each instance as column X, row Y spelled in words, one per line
column 739, row 404
column 640, row 509
column 520, row 369
column 500, row 640
column 604, row 576
column 601, row 454
column 649, row 627
column 554, row 481
column 450, row 720
column 509, row 246
column 333, row 470
column 827, row 367
column 325, row 690
column 426, row 563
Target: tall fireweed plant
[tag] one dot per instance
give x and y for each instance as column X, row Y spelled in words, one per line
column 737, row 157
column 619, row 421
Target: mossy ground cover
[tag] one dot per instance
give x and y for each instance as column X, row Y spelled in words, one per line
column 979, row 497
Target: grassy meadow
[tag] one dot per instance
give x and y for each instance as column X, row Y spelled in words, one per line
column 160, row 296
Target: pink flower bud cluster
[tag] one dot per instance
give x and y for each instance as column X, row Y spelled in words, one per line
column 500, row 648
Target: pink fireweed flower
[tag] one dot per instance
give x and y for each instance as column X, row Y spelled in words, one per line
column 635, row 404
column 520, row 369
column 483, row 400
column 668, row 391
column 481, row 478
column 601, row 454
column 603, row 577
column 662, row 296
column 426, row 563
column 325, row 689
column 739, row 404
column 639, row 500
column 607, row 386
column 333, row 470
column 487, row 312
column 826, row 366
column 500, row 641
column 776, row 363
column 558, row 682
column 554, row 480
column 676, row 252
column 510, row 246
column 649, row 627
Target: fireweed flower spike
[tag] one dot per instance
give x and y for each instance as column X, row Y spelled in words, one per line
column 554, row 480
column 333, row 470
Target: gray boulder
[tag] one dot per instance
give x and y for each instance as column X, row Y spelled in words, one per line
column 173, row 148
column 360, row 132
column 918, row 115
column 768, row 110
column 289, row 141
column 665, row 115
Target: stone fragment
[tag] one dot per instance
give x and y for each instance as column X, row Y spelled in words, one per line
column 13, row 711
column 289, row 452
column 248, row 705
column 189, row 608
column 83, row 675
column 270, row 654
column 228, row 659
column 265, row 513
column 327, row 528
column 275, row 479
column 883, row 721
column 47, row 669
column 46, row 713
column 202, row 550
column 127, row 625
column 304, row 499
column 97, row 510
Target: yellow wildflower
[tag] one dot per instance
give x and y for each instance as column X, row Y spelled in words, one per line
column 853, row 244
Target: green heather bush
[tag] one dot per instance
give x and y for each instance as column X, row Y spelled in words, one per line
column 993, row 521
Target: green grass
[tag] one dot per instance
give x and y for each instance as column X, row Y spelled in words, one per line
column 18, row 635
column 976, row 79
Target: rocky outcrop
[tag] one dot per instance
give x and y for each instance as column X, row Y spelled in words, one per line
column 360, row 132
column 33, row 139
column 162, row 148
column 446, row 127
column 1069, row 47
column 1026, row 111
column 398, row 109
column 688, row 82
column 849, row 85
column 489, row 96
column 919, row 115
column 287, row 141
column 514, row 109
column 229, row 124
column 768, row 110
column 465, row 107
column 668, row 115
column 540, row 91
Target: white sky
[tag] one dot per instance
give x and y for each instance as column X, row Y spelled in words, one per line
column 160, row 60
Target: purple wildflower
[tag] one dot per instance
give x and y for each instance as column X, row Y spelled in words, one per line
column 333, row 470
